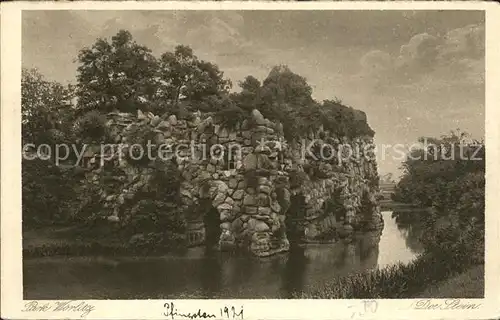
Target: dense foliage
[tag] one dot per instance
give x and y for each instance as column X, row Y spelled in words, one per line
column 121, row 74
column 46, row 110
column 47, row 192
column 115, row 75
column 447, row 176
column 157, row 220
column 182, row 76
column 286, row 97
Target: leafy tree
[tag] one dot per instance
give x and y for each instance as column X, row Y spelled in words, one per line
column 430, row 170
column 47, row 118
column 250, row 96
column 446, row 175
column 285, row 96
column 250, row 84
column 45, row 108
column 286, row 87
column 343, row 120
column 116, row 75
column 182, row 76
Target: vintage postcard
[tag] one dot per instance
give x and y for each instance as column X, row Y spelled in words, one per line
column 250, row 160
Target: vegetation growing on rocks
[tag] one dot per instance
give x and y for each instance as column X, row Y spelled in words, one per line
column 120, row 75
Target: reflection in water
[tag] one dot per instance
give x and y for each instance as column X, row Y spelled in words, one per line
column 211, row 274
column 212, row 227
column 409, row 223
column 369, row 250
column 294, row 273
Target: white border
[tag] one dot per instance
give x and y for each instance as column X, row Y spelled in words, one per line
column 11, row 244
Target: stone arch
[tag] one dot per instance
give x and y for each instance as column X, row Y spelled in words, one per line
column 219, row 206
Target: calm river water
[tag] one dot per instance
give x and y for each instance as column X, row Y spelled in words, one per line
column 197, row 275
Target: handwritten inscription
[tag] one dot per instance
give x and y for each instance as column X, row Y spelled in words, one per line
column 367, row 308
column 59, row 306
column 224, row 313
column 449, row 304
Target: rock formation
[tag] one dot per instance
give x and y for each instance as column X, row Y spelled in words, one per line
column 265, row 191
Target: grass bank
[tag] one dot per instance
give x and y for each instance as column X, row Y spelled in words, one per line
column 427, row 276
column 80, row 241
column 468, row 284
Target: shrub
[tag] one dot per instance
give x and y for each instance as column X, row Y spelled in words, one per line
column 232, row 115
column 47, row 193
column 140, row 136
column 155, row 219
column 336, row 118
column 92, row 125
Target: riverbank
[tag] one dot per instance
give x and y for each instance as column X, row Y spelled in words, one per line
column 56, row 240
column 468, row 284
column 426, row 277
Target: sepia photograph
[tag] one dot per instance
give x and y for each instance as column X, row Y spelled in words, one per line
column 249, row 154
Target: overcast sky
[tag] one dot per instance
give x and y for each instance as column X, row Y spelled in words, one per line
column 414, row 73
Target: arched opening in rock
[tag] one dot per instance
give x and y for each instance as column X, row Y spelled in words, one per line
column 295, row 219
column 212, row 222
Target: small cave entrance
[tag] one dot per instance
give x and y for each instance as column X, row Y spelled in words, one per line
column 212, row 222
column 335, row 205
column 295, row 219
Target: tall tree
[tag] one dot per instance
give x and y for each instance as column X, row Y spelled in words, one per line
column 116, row 75
column 250, row 96
column 250, row 84
column 45, row 107
column 284, row 86
column 183, row 76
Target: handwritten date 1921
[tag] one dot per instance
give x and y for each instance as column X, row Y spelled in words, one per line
column 226, row 312
column 231, row 313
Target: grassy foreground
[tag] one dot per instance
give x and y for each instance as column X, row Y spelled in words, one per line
column 425, row 277
column 469, row 284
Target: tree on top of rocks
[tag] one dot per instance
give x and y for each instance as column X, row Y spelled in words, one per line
column 250, row 84
column 283, row 86
column 182, row 76
column 286, row 97
column 249, row 97
column 117, row 74
column 122, row 75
